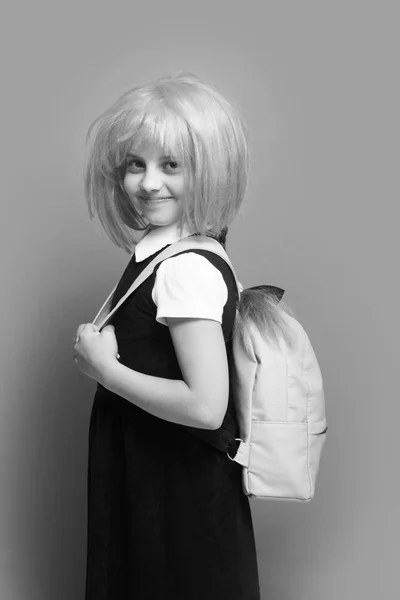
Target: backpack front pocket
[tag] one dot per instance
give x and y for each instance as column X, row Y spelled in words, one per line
column 283, row 460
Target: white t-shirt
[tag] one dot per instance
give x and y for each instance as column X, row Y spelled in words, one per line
column 187, row 285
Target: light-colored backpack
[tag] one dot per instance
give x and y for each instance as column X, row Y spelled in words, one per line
column 277, row 388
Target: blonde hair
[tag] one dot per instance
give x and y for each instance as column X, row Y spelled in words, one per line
column 193, row 123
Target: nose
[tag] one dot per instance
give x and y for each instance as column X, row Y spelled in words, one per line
column 151, row 180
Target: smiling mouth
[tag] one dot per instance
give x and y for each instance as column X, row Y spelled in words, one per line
column 156, row 200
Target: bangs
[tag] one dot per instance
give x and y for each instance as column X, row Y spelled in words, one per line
column 163, row 127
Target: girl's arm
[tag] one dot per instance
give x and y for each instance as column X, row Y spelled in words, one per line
column 201, row 399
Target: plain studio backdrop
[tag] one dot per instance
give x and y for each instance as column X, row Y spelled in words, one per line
column 317, row 83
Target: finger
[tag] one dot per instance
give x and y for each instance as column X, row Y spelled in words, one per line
column 108, row 329
column 87, row 329
column 78, row 332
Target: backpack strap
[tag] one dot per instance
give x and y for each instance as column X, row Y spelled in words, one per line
column 188, row 243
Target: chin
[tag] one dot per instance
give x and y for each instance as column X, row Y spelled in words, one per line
column 163, row 221
column 160, row 223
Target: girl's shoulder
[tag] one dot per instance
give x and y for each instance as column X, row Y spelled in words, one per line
column 194, row 267
column 189, row 285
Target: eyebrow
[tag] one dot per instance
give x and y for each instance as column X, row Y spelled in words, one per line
column 132, row 155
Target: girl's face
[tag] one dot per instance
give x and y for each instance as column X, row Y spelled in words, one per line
column 155, row 184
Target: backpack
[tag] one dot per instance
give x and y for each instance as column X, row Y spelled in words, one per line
column 276, row 386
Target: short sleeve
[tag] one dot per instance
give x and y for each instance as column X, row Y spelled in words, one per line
column 189, row 286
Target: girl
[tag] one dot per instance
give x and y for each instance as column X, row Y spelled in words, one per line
column 167, row 517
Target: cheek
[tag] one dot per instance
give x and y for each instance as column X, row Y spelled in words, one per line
column 129, row 184
column 179, row 187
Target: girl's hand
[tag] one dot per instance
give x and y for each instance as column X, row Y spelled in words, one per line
column 94, row 351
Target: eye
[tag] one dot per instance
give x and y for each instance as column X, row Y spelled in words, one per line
column 172, row 165
column 134, row 164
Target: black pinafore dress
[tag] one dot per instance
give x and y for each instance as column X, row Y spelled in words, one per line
column 167, row 516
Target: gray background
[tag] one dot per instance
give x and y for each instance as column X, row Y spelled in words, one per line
column 318, row 85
